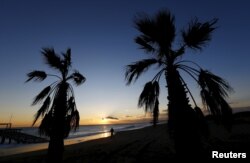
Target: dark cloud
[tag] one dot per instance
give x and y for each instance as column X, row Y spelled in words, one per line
column 111, row 117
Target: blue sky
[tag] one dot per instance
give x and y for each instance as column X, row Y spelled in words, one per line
column 100, row 34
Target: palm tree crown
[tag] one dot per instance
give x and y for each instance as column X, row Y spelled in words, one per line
column 52, row 95
column 157, row 36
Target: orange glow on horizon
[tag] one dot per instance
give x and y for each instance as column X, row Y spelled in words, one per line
column 104, row 121
column 26, row 121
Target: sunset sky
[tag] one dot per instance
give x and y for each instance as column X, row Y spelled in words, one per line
column 101, row 36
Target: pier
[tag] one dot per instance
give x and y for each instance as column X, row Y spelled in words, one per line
column 16, row 135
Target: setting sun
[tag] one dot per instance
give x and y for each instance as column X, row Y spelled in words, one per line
column 104, row 121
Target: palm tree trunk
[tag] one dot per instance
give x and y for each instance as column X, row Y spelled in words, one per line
column 55, row 150
column 56, row 144
column 156, row 113
column 182, row 118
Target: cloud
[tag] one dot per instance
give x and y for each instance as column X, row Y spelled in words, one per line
column 111, row 117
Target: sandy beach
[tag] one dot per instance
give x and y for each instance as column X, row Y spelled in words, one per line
column 24, row 148
column 143, row 145
column 127, row 146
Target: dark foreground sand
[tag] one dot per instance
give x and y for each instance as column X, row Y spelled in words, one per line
column 140, row 146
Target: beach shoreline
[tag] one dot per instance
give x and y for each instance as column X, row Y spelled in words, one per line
column 9, row 150
column 84, row 133
column 149, row 144
column 105, row 145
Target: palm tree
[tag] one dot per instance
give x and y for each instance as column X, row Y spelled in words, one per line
column 58, row 111
column 149, row 99
column 157, row 36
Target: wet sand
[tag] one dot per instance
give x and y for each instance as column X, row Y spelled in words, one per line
column 7, row 150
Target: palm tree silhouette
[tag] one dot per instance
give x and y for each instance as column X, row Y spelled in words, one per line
column 58, row 110
column 157, row 36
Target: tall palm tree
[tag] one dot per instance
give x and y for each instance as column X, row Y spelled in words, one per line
column 157, row 36
column 58, row 111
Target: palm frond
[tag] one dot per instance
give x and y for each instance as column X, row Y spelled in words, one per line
column 214, row 90
column 60, row 93
column 158, row 32
column 71, row 106
column 134, row 70
column 149, row 96
column 45, row 127
column 51, row 58
column 198, row 34
column 179, row 52
column 165, row 25
column 77, row 78
column 209, row 102
column 41, row 95
column 143, row 41
column 67, row 57
column 156, row 88
column 146, row 26
column 42, row 110
column 214, row 84
column 156, row 112
column 75, row 118
column 36, row 76
column 72, row 116
column 66, row 62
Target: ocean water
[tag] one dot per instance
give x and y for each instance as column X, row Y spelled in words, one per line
column 84, row 133
column 89, row 130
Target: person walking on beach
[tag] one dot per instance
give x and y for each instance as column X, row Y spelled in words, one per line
column 112, row 132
